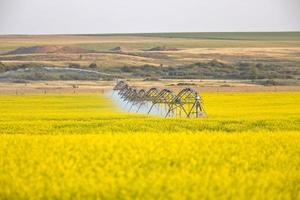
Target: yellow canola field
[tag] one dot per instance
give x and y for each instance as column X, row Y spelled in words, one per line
column 79, row 146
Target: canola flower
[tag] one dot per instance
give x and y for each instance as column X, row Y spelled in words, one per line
column 79, row 146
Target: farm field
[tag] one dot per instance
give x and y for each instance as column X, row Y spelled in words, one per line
column 183, row 100
column 80, row 146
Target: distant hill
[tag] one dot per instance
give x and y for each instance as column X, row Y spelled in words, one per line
column 50, row 49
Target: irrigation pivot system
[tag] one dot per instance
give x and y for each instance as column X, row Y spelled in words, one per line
column 187, row 103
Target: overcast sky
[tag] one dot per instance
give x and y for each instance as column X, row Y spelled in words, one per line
column 120, row 16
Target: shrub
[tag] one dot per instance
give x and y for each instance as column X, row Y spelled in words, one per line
column 270, row 82
column 93, row 66
column 151, row 79
column 74, row 65
column 2, row 67
column 126, row 69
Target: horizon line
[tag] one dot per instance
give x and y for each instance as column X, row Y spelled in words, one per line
column 132, row 33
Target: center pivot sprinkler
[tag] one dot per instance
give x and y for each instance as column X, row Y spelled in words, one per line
column 187, row 103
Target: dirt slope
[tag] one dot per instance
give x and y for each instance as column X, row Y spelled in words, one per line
column 49, row 49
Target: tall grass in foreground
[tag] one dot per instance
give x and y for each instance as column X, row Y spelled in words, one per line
column 78, row 146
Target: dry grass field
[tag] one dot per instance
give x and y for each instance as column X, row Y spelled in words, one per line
column 190, row 49
column 267, row 58
column 142, row 41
